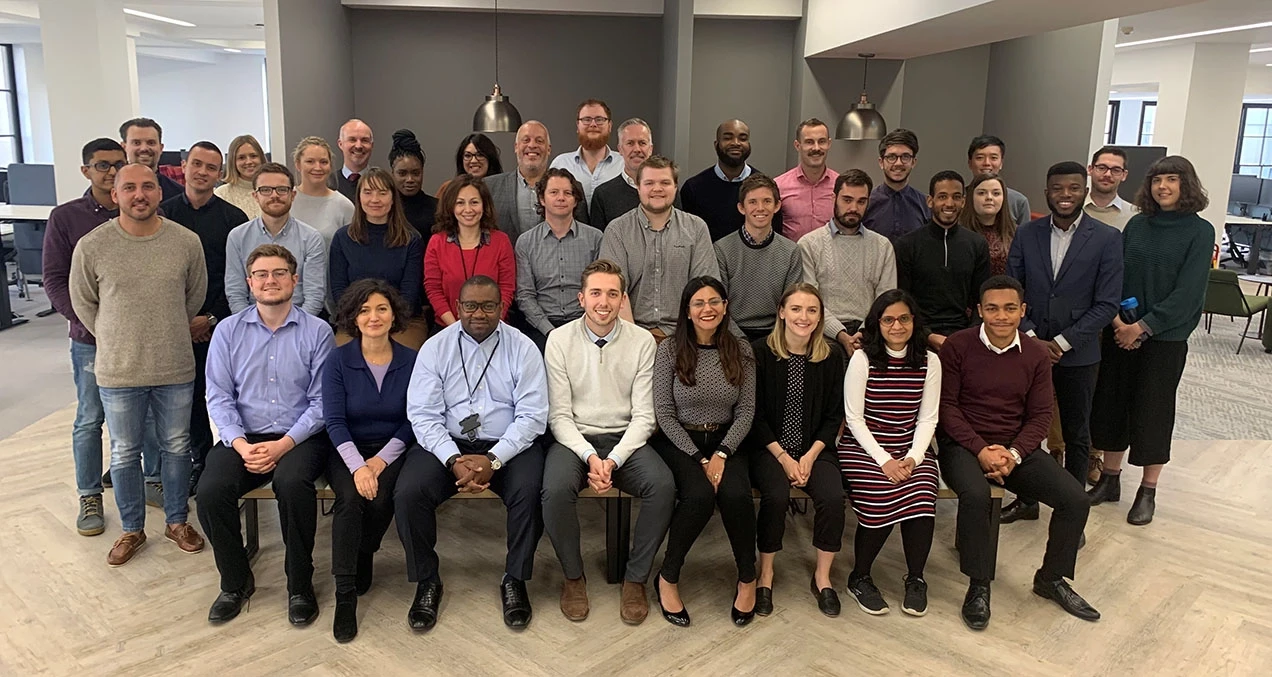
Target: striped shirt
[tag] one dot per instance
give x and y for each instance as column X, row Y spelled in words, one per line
column 549, row 273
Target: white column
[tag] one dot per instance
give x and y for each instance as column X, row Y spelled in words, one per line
column 91, row 75
column 274, row 85
column 1103, row 83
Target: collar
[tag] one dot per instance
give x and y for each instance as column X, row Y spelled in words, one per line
column 890, row 192
column 253, row 315
column 494, row 334
column 547, row 227
column 630, row 181
column 1051, row 221
column 610, row 153
column 96, row 206
column 750, row 241
column 937, row 230
column 260, row 222
column 643, row 220
column 454, row 238
column 185, row 198
column 1118, row 203
column 1015, row 342
column 828, row 174
column 746, row 171
column 834, row 230
column 349, row 172
column 593, row 337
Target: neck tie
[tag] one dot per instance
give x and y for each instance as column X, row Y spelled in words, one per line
column 353, row 178
column 600, row 343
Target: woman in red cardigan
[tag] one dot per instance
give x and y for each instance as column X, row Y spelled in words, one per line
column 466, row 242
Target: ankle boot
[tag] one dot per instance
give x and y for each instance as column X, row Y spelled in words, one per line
column 1107, row 490
column 345, row 626
column 1142, row 509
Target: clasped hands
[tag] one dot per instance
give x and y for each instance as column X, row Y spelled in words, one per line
column 996, row 461
column 899, row 471
column 797, row 472
column 367, row 478
column 600, row 473
column 472, row 473
column 262, row 457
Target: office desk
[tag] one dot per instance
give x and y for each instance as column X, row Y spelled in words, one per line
column 16, row 213
column 1252, row 260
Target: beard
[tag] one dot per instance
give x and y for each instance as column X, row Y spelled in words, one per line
column 727, row 160
column 593, row 141
column 276, row 301
column 847, row 220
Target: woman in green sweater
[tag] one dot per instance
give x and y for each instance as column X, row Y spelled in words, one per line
column 1167, row 248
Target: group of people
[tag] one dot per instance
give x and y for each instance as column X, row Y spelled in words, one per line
column 689, row 345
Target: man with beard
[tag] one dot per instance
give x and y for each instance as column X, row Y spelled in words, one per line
column 985, row 156
column 594, row 162
column 265, row 396
column 1108, row 171
column 212, row 219
column 143, row 142
column 618, row 196
column 1071, row 267
column 712, row 194
column 849, row 264
column 896, row 208
column 137, row 281
column 355, row 143
column 808, row 190
column 275, row 188
column 514, row 194
column 659, row 248
column 942, row 264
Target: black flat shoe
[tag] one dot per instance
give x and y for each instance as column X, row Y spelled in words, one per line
column 976, row 607
column 741, row 618
column 827, row 599
column 1107, row 490
column 365, row 572
column 1017, row 511
column 228, row 605
column 680, row 618
column 302, row 609
column 1142, row 509
column 423, row 612
column 1059, row 592
column 345, row 626
column 763, row 601
column 516, row 603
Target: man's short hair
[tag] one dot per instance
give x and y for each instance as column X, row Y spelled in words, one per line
column 607, row 267
column 810, row 122
column 1065, row 169
column 102, row 145
column 207, row 145
column 274, row 168
column 635, row 121
column 659, row 162
column 757, row 181
column 854, row 177
column 1110, row 150
column 139, row 122
column 541, row 188
column 593, row 102
column 899, row 137
column 1002, row 282
column 271, row 250
column 985, row 141
column 946, row 175
column 480, row 281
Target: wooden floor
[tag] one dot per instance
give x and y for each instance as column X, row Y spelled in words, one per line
column 1190, row 594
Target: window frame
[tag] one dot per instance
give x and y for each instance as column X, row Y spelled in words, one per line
column 1143, row 109
column 1262, row 170
column 11, row 92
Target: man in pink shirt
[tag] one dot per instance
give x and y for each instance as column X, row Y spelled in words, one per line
column 808, row 190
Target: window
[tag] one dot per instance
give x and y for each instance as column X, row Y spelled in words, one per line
column 1148, row 114
column 10, row 128
column 1110, row 122
column 1254, row 142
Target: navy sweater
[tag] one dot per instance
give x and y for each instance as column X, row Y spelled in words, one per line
column 715, row 201
column 402, row 267
column 353, row 409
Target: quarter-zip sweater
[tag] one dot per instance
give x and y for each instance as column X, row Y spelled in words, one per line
column 943, row 268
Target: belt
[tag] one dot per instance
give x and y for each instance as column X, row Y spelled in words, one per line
column 706, row 427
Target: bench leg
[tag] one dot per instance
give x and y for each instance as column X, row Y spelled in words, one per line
column 252, row 525
column 618, row 525
column 995, row 515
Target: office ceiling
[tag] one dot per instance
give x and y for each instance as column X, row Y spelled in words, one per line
column 1203, row 16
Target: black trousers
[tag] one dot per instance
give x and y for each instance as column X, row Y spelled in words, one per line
column 358, row 525
column 696, row 500
column 1075, row 388
column 224, row 481
column 200, row 426
column 424, row 484
column 825, row 486
column 1135, row 399
column 1038, row 475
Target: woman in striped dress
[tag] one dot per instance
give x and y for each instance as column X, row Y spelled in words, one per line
column 892, row 389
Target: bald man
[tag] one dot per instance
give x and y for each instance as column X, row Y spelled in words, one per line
column 513, row 192
column 712, row 194
column 356, row 143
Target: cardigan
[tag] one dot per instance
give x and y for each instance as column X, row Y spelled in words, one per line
column 446, row 268
column 402, row 267
column 356, row 411
column 823, row 397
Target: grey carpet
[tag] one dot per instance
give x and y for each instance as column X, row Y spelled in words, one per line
column 1225, row 396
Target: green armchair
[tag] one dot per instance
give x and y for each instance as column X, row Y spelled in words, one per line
column 1224, row 296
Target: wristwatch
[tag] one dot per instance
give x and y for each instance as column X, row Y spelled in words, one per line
column 721, row 454
column 450, row 462
column 211, row 319
column 1015, row 455
column 495, row 463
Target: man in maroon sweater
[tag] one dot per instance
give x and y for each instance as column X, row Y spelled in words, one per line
column 995, row 411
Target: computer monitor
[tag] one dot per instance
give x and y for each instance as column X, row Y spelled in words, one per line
column 1265, row 193
column 1245, row 189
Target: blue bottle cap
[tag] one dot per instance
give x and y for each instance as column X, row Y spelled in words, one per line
column 1127, row 304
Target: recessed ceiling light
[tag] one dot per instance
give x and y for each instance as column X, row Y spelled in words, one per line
column 156, row 17
column 231, row 50
column 1261, row 49
column 1197, row 34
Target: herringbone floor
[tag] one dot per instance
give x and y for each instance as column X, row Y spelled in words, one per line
column 1187, row 595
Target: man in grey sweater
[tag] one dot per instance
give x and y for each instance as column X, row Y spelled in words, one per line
column 137, row 282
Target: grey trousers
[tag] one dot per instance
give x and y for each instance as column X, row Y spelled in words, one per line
column 643, row 475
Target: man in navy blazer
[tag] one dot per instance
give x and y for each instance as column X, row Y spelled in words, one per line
column 1071, row 267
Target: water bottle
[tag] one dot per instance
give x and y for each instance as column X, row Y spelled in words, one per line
column 1129, row 311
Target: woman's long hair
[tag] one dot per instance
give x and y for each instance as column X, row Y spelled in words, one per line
column 231, row 165
column 444, row 219
column 400, row 231
column 872, row 340
column 818, row 348
column 686, row 337
column 1004, row 226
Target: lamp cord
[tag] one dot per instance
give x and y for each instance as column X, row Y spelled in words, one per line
column 496, row 43
column 865, row 69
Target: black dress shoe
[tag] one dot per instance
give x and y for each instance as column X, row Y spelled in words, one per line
column 1059, row 592
column 680, row 618
column 827, row 599
column 976, row 607
column 345, row 627
column 741, row 618
column 106, row 481
column 364, row 572
column 1107, row 490
column 764, row 601
column 423, row 612
column 516, row 603
column 302, row 608
column 1082, row 541
column 1018, row 510
column 1142, row 509
column 228, row 605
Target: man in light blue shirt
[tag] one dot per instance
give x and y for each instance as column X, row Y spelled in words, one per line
column 478, row 402
column 594, row 162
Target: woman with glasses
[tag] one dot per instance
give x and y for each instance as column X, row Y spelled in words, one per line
column 477, row 156
column 242, row 161
column 891, row 393
column 316, row 204
column 986, row 212
column 466, row 241
column 704, row 400
column 380, row 244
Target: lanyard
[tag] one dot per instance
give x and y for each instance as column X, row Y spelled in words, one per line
column 463, row 262
column 463, row 364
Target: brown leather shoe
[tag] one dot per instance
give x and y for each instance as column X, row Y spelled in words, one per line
column 125, row 548
column 184, row 536
column 1095, row 466
column 635, row 603
column 574, row 599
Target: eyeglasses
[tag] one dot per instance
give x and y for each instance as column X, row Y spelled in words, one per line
column 469, row 157
column 488, row 307
column 104, row 166
column 589, row 121
column 266, row 191
column 1105, row 169
column 716, row 303
column 277, row 274
column 893, row 158
column 888, row 320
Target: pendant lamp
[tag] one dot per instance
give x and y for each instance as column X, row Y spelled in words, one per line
column 862, row 122
column 497, row 114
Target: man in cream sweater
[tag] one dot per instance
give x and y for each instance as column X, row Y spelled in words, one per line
column 601, row 411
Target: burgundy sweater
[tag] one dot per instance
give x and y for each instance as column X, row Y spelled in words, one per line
column 987, row 398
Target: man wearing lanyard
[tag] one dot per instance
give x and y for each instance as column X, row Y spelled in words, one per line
column 477, row 402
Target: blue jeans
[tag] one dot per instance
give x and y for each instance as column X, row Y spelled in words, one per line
column 126, row 415
column 86, row 435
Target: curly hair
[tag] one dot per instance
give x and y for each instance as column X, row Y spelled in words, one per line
column 445, row 221
column 351, row 301
column 541, row 188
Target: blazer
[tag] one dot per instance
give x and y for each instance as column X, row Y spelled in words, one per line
column 353, row 409
column 823, row 398
column 1083, row 298
column 503, row 192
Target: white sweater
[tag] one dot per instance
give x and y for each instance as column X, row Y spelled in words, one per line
column 601, row 391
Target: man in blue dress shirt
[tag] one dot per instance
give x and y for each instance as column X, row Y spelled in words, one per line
column 478, row 401
column 265, row 397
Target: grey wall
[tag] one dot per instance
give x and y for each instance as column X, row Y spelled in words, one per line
column 429, row 71
column 742, row 69
column 825, row 88
column 317, row 68
column 943, row 102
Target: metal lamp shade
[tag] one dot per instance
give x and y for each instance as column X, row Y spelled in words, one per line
column 862, row 123
column 496, row 115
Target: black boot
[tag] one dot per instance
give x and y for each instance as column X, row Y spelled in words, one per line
column 345, row 626
column 1142, row 509
column 365, row 572
column 1107, row 490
